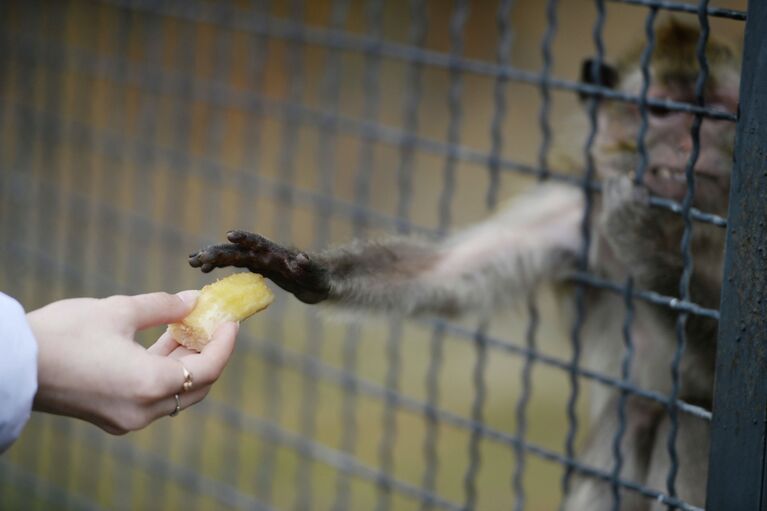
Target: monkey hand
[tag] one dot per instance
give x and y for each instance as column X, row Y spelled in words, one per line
column 292, row 270
column 626, row 220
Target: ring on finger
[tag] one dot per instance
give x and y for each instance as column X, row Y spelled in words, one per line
column 178, row 406
column 188, row 380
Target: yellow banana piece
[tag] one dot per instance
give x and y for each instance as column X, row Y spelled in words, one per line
column 233, row 298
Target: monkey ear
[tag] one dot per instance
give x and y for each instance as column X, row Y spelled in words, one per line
column 605, row 76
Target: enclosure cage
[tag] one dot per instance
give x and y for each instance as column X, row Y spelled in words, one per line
column 137, row 131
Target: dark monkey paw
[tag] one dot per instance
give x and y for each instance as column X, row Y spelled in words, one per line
column 292, row 270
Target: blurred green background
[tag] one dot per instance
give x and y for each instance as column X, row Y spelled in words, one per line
column 130, row 138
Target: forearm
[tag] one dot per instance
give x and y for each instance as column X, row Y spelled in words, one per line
column 391, row 275
column 411, row 277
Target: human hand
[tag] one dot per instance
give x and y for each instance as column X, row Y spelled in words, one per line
column 90, row 366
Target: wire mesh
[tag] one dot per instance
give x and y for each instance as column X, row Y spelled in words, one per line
column 136, row 131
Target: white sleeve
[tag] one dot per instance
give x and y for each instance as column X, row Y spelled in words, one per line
column 18, row 370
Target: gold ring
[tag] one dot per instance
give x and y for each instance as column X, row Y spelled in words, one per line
column 188, row 381
column 178, row 406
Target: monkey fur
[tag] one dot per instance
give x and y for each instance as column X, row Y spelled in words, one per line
column 536, row 240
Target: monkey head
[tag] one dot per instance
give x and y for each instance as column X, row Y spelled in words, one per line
column 674, row 70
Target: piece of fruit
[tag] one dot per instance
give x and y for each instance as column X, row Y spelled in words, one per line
column 233, row 298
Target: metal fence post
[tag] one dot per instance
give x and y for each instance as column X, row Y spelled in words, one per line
column 737, row 476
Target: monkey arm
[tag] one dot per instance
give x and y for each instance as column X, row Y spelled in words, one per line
column 647, row 241
column 488, row 265
column 644, row 240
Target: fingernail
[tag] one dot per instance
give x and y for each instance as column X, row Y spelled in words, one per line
column 189, row 296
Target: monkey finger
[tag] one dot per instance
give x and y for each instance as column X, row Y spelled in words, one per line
column 250, row 240
column 219, row 256
column 236, row 235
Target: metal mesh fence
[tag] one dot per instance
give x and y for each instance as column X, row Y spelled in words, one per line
column 135, row 132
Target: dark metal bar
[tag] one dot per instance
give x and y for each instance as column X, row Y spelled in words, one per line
column 330, row 94
column 283, row 230
column 45, row 222
column 583, row 256
column 625, row 375
column 370, row 83
column 499, row 96
column 405, row 170
column 645, row 68
column 389, row 416
column 672, row 303
column 252, row 142
column 457, row 23
column 221, row 61
column 175, row 204
column 544, row 89
column 713, row 12
column 47, row 227
column 431, row 382
column 628, row 297
column 738, row 458
column 477, row 416
column 686, row 249
column 521, row 409
column 349, row 417
column 87, row 225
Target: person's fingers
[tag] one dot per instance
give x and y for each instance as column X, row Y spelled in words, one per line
column 181, row 352
column 207, row 365
column 167, row 405
column 164, row 345
column 154, row 309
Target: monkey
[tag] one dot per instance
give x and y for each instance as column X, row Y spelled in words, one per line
column 536, row 241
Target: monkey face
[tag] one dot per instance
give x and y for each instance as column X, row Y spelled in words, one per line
column 669, row 145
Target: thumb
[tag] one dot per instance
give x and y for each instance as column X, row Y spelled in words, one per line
column 152, row 309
